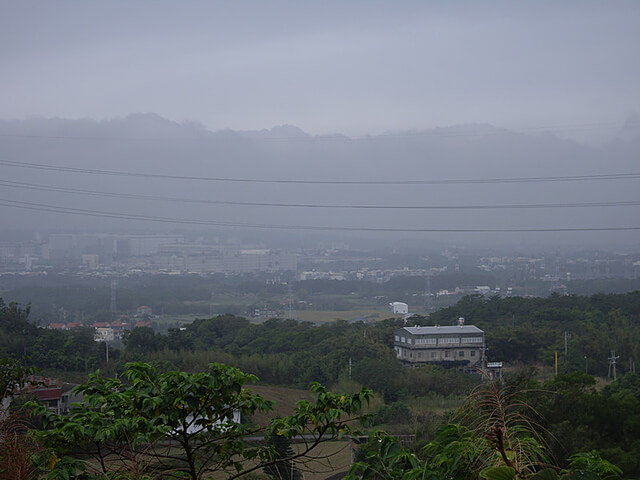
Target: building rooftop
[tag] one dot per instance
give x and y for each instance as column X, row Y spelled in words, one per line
column 447, row 330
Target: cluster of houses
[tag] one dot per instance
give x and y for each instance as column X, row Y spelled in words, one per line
column 51, row 392
column 109, row 331
column 104, row 331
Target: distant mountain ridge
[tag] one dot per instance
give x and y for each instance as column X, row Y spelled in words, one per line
column 150, row 143
column 154, row 125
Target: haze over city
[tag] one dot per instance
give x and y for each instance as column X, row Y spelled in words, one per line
column 480, row 116
column 331, row 240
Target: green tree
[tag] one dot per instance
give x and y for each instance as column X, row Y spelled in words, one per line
column 458, row 453
column 12, row 374
column 284, row 468
column 142, row 340
column 380, row 375
column 185, row 425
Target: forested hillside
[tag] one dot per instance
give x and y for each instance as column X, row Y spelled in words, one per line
column 529, row 330
column 573, row 415
column 519, row 330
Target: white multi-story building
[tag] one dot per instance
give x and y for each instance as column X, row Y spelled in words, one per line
column 104, row 334
column 462, row 344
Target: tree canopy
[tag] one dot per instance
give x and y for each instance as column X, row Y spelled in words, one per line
column 185, row 425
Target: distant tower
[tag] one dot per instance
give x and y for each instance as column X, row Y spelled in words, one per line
column 114, row 287
column 428, row 301
column 289, row 313
column 612, row 365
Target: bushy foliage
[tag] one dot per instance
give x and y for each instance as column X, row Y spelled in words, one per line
column 498, row 442
column 395, row 413
column 283, row 468
column 184, row 425
column 529, row 330
column 74, row 350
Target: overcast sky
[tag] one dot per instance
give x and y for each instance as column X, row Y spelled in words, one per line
column 353, row 67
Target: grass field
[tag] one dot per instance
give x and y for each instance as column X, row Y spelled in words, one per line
column 327, row 459
column 323, row 316
column 285, row 401
column 170, row 320
column 314, row 316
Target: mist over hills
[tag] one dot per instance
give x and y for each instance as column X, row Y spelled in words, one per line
column 148, row 143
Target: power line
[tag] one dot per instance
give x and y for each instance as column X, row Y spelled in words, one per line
column 124, row 216
column 76, row 191
column 89, row 171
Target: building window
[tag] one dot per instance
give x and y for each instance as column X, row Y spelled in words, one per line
column 461, row 353
column 472, row 340
column 433, row 354
column 446, row 354
column 397, row 338
column 473, row 353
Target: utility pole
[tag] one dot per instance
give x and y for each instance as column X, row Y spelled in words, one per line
column 483, row 359
column 566, row 337
column 290, row 302
column 349, row 368
column 612, row 365
column 586, row 365
column 556, row 363
column 429, row 299
column 112, row 304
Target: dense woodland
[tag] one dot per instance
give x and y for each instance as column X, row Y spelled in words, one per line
column 573, row 411
column 518, row 331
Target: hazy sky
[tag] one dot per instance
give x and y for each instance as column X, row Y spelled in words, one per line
column 332, row 66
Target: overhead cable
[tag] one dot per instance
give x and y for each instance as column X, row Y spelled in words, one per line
column 157, row 198
column 124, row 216
column 147, row 175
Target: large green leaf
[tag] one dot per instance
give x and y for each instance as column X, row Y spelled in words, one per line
column 498, row 473
column 580, row 475
column 546, row 474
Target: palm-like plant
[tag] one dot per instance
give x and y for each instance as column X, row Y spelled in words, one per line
column 497, row 413
column 17, row 448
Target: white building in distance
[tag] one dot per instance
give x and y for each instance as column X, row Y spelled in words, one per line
column 461, row 344
column 399, row 307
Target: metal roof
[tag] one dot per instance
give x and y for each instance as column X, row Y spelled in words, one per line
column 443, row 330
